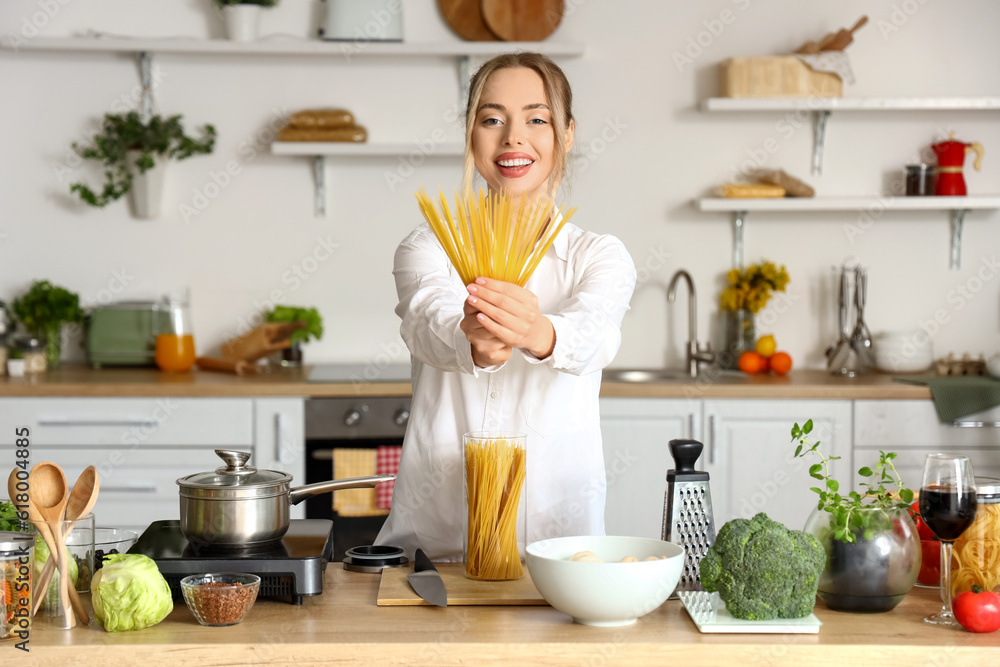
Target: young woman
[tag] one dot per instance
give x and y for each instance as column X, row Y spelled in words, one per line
column 495, row 356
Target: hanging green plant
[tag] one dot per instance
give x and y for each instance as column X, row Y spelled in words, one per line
column 158, row 137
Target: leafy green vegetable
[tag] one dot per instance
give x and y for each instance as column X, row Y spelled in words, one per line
column 311, row 316
column 8, row 517
column 129, row 593
column 41, row 556
column 762, row 570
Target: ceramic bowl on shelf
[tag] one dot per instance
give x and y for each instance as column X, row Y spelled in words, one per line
column 608, row 593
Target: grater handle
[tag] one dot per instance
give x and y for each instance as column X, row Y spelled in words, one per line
column 685, row 453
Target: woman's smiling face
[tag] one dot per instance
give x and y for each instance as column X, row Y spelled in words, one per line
column 513, row 143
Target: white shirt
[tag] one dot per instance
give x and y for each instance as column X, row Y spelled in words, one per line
column 583, row 285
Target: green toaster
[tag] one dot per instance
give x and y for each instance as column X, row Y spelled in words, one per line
column 123, row 334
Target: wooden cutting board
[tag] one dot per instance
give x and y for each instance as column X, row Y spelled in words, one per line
column 465, row 17
column 394, row 590
column 522, row 20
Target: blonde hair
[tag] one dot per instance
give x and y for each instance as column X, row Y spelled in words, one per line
column 559, row 98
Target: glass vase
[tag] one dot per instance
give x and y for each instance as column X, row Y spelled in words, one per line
column 876, row 571
column 741, row 336
column 495, row 467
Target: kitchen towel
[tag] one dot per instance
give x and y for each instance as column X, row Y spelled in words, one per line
column 354, row 462
column 959, row 396
column 386, row 462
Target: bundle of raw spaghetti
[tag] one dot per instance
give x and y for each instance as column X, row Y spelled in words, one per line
column 494, row 475
column 494, row 236
column 976, row 556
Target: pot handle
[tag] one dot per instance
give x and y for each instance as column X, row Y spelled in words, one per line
column 300, row 493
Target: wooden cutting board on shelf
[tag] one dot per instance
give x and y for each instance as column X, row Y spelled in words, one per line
column 522, row 20
column 465, row 17
column 395, row 591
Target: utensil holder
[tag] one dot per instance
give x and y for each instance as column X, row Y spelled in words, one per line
column 495, row 468
column 79, row 549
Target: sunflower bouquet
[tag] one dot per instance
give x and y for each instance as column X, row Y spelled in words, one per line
column 751, row 288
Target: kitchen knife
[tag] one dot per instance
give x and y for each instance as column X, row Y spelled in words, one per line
column 426, row 581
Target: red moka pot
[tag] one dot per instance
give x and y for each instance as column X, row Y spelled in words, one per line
column 951, row 159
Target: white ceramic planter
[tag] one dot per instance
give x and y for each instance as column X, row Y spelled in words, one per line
column 146, row 194
column 242, row 22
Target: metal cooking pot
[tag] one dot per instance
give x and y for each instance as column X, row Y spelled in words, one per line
column 238, row 505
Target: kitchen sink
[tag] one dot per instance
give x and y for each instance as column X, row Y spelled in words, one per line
column 651, row 375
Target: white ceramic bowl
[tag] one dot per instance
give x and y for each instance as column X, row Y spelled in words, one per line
column 903, row 351
column 993, row 366
column 608, row 593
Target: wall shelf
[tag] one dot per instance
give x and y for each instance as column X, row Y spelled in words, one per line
column 319, row 151
column 956, row 206
column 821, row 107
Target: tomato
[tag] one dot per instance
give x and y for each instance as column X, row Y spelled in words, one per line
column 922, row 529
column 930, row 566
column 977, row 610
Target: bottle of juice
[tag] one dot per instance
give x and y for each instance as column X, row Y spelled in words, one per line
column 174, row 339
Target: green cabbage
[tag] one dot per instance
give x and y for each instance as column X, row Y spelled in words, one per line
column 41, row 556
column 129, row 593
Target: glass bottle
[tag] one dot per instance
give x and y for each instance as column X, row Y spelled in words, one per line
column 17, row 559
column 174, row 337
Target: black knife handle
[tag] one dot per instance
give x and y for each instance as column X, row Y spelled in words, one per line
column 421, row 562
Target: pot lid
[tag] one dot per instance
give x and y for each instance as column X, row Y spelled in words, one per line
column 987, row 490
column 236, row 473
column 12, row 541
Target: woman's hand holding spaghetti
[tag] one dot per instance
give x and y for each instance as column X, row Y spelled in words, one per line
column 510, row 314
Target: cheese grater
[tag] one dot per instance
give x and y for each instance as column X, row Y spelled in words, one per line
column 687, row 511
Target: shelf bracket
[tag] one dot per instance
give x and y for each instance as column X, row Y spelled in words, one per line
column 739, row 222
column 957, row 220
column 146, row 79
column 819, row 139
column 319, row 175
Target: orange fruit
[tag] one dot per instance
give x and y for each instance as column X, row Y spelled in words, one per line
column 751, row 363
column 781, row 363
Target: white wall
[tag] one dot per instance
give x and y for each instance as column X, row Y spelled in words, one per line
column 639, row 186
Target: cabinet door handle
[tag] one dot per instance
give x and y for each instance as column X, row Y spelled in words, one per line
column 972, row 424
column 279, row 432
column 138, row 488
column 66, row 421
column 711, row 439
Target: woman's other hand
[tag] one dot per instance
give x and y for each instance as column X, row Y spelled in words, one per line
column 487, row 349
column 510, row 313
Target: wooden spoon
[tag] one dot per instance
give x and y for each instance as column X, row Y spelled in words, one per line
column 49, row 495
column 81, row 501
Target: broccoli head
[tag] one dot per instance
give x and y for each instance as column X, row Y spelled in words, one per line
column 762, row 570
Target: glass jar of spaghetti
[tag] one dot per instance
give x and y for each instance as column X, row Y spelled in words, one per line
column 17, row 556
column 495, row 466
column 976, row 556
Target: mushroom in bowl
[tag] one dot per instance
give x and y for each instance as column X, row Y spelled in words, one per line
column 635, row 576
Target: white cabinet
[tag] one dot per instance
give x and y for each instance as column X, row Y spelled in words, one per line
column 749, row 456
column 141, row 446
column 912, row 430
column 635, row 433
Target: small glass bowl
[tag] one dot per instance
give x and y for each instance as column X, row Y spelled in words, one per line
column 218, row 599
column 109, row 541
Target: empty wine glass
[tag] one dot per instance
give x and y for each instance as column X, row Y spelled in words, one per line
column 948, row 507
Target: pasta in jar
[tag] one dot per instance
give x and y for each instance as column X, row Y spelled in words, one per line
column 494, row 475
column 976, row 555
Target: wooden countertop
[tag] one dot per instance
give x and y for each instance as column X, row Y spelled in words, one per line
column 78, row 380
column 344, row 626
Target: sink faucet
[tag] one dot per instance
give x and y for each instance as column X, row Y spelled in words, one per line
column 695, row 353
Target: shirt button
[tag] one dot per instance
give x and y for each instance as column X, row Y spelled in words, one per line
column 495, row 395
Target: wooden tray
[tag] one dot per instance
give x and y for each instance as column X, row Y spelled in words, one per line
column 394, row 590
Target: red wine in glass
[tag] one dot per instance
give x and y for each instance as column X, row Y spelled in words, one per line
column 948, row 511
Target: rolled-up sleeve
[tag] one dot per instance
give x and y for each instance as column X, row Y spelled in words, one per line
column 588, row 323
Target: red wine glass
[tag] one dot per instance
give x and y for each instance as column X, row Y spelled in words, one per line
column 948, row 507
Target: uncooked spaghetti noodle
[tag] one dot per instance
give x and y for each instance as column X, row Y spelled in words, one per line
column 496, row 235
column 976, row 556
column 494, row 475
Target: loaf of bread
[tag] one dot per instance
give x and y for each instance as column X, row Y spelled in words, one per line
column 793, row 186
column 321, row 118
column 749, row 191
column 354, row 133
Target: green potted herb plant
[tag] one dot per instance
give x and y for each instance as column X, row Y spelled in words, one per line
column 872, row 545
column 243, row 17
column 292, row 355
column 43, row 310
column 134, row 153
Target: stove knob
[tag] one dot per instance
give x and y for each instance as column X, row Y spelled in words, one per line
column 401, row 417
column 352, row 417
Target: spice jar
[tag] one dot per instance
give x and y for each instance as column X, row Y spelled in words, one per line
column 919, row 180
column 17, row 555
column 32, row 350
column 495, row 465
column 976, row 556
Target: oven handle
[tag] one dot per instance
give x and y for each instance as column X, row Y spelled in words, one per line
column 322, row 455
